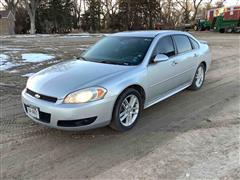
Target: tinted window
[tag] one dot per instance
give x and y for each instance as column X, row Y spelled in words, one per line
column 119, row 50
column 183, row 44
column 194, row 43
column 165, row 46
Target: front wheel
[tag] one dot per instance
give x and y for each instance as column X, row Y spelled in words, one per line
column 127, row 110
column 198, row 78
column 196, row 28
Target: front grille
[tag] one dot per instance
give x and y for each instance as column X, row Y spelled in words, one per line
column 76, row 123
column 43, row 117
column 41, row 96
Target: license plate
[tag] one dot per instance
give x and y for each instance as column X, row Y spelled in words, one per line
column 33, row 111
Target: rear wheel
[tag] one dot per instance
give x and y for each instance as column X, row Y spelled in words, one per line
column 201, row 28
column 198, row 78
column 229, row 30
column 127, row 110
column 236, row 30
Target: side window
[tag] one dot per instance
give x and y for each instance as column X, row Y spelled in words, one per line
column 195, row 45
column 182, row 42
column 165, row 46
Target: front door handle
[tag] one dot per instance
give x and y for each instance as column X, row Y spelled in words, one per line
column 174, row 63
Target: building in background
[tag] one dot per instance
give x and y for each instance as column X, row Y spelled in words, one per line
column 228, row 13
column 7, row 23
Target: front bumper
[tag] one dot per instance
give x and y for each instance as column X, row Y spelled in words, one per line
column 57, row 115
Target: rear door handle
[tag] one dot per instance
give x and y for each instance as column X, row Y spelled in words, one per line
column 195, row 55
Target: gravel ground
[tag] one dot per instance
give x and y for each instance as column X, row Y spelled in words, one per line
column 192, row 135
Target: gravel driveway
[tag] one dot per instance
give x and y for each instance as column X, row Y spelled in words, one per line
column 192, row 135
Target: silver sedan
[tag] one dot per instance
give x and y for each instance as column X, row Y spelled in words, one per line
column 118, row 77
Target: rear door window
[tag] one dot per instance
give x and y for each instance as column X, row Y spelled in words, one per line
column 195, row 45
column 182, row 43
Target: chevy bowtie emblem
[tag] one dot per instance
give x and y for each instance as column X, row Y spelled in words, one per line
column 37, row 96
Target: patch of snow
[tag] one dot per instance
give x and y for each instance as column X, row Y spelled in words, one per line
column 82, row 49
column 11, row 49
column 51, row 49
column 11, row 52
column 80, row 36
column 14, row 71
column 26, row 36
column 52, row 62
column 3, row 57
column 28, row 75
column 87, row 46
column 36, row 57
column 4, row 64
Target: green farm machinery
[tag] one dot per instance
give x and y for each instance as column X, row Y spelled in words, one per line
column 225, row 19
column 202, row 25
column 221, row 25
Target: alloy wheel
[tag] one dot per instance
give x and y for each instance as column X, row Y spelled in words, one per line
column 129, row 110
column 199, row 76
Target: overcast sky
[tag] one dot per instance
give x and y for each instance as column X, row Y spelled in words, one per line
column 229, row 2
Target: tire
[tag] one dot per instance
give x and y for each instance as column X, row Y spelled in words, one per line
column 130, row 111
column 229, row 30
column 222, row 30
column 198, row 78
column 196, row 28
column 237, row 30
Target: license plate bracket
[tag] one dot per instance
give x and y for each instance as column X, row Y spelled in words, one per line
column 33, row 111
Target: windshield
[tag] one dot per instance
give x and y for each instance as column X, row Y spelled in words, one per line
column 119, row 50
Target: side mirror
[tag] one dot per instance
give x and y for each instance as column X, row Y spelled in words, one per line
column 160, row 58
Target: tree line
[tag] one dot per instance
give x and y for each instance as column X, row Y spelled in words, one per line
column 63, row 16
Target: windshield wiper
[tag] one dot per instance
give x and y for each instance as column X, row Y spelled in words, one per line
column 83, row 58
column 114, row 62
column 104, row 61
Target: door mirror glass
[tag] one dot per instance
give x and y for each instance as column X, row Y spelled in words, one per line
column 160, row 58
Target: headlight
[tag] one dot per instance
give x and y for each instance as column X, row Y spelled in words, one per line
column 85, row 95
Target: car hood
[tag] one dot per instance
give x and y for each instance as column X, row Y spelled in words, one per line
column 64, row 78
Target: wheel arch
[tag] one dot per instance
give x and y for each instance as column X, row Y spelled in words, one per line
column 137, row 87
column 205, row 64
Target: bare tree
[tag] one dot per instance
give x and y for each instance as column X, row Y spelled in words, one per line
column 186, row 7
column 109, row 9
column 31, row 6
column 77, row 6
column 110, row 6
column 196, row 4
column 170, row 13
column 84, row 6
column 10, row 5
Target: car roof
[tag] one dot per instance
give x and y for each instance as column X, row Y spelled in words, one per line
column 149, row 34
